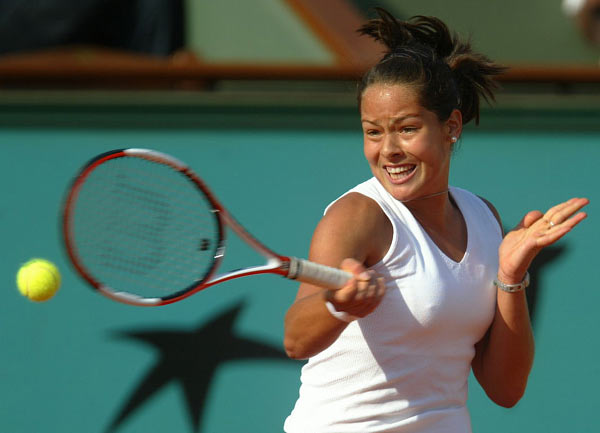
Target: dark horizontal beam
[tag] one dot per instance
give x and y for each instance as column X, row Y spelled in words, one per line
column 83, row 67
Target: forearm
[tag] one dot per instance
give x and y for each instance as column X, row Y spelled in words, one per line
column 506, row 357
column 309, row 328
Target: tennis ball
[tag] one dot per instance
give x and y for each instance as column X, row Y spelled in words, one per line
column 38, row 279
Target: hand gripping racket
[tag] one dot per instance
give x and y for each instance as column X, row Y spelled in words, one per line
column 142, row 228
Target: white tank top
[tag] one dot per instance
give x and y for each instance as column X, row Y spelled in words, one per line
column 404, row 368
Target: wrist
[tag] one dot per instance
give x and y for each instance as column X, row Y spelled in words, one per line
column 333, row 309
column 509, row 284
column 510, row 277
column 340, row 315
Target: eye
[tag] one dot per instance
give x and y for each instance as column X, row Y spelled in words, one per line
column 372, row 133
column 409, row 129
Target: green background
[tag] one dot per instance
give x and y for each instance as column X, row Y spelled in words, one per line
column 276, row 160
column 513, row 32
column 64, row 366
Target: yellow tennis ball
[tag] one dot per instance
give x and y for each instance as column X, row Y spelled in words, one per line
column 38, row 279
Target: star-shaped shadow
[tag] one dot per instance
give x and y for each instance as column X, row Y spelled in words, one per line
column 190, row 358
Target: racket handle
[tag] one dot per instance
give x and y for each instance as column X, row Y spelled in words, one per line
column 319, row 275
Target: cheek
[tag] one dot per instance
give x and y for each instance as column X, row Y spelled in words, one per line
column 431, row 152
column 371, row 152
column 443, row 153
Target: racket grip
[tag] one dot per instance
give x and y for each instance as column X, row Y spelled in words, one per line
column 317, row 274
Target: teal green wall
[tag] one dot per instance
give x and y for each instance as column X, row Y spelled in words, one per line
column 533, row 170
column 67, row 364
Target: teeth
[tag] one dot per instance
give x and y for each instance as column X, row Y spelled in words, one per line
column 398, row 170
column 398, row 173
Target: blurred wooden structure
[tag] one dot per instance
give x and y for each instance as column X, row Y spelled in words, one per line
column 91, row 67
column 334, row 22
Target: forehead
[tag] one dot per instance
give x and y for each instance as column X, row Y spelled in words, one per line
column 389, row 98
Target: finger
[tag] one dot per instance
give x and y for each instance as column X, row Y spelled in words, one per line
column 376, row 288
column 529, row 219
column 559, row 230
column 351, row 287
column 380, row 287
column 573, row 207
column 367, row 298
column 554, row 210
column 362, row 288
column 563, row 211
column 571, row 222
column 366, row 285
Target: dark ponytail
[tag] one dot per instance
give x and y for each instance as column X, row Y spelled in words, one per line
column 423, row 53
column 474, row 74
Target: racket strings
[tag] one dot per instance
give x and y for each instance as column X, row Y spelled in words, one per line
column 137, row 234
column 144, row 228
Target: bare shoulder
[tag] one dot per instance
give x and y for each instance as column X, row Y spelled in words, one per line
column 355, row 205
column 357, row 211
column 354, row 226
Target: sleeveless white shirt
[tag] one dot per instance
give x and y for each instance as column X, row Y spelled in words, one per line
column 404, row 368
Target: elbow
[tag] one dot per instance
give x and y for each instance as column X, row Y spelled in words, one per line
column 507, row 403
column 509, row 397
column 293, row 349
column 512, row 389
column 300, row 348
column 503, row 389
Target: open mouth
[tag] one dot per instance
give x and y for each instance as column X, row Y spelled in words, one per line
column 400, row 172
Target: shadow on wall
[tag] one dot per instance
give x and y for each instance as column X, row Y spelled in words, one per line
column 191, row 357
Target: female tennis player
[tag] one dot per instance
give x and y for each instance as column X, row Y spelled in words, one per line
column 437, row 289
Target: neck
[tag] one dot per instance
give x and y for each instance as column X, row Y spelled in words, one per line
column 435, row 194
column 432, row 210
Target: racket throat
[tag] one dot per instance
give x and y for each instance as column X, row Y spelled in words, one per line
column 292, row 268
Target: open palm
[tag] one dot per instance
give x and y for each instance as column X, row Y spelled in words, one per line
column 534, row 232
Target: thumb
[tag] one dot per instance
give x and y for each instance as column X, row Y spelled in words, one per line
column 530, row 218
column 353, row 266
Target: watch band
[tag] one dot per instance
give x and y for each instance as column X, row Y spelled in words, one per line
column 511, row 288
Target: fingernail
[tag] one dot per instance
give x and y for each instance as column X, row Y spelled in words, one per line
column 364, row 276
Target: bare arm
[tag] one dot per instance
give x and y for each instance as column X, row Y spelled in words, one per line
column 504, row 357
column 354, row 234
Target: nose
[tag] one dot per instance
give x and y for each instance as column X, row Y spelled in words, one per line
column 392, row 146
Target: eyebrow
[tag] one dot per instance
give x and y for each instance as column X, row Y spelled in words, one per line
column 396, row 120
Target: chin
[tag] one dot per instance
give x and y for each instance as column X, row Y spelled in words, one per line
column 400, row 192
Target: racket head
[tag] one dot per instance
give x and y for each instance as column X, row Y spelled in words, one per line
column 141, row 228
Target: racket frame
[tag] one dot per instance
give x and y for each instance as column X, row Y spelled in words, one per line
column 275, row 263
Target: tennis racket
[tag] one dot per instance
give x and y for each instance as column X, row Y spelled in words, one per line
column 142, row 228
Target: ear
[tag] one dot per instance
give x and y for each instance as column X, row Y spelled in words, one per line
column 454, row 125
